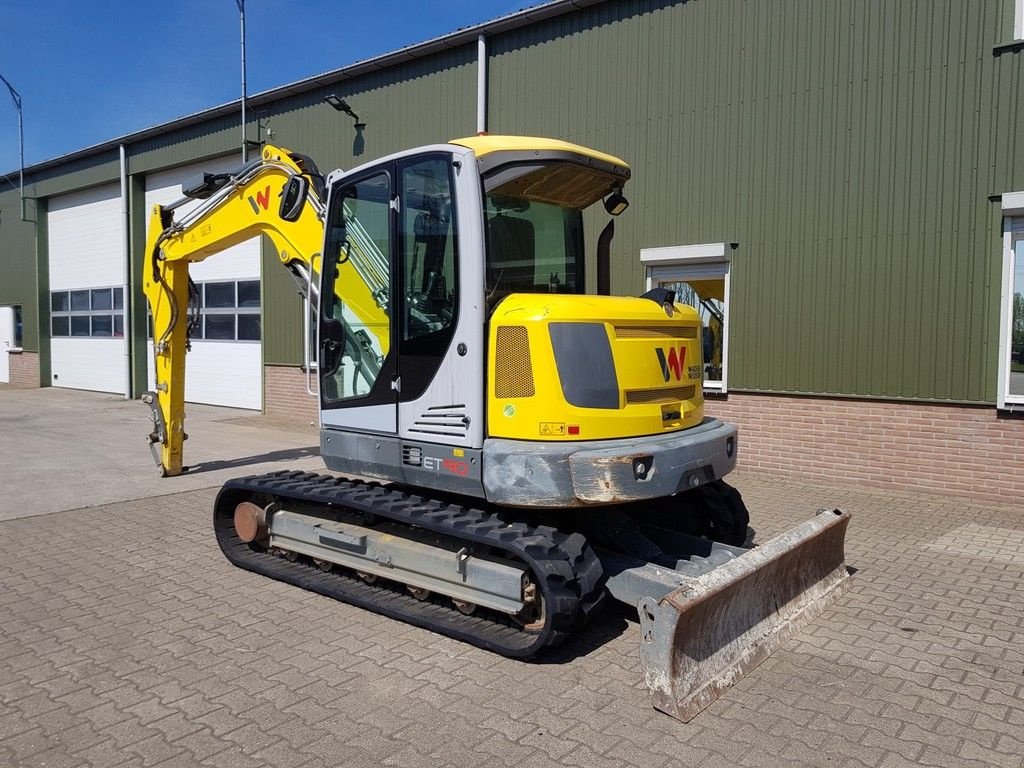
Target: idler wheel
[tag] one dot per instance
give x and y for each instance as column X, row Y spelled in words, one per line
column 251, row 522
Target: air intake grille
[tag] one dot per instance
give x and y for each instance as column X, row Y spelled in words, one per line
column 672, row 395
column 412, row 455
column 655, row 332
column 513, row 372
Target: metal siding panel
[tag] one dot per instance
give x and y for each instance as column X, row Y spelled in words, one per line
column 138, row 306
column 282, row 312
column 849, row 149
column 187, row 145
column 18, row 273
column 79, row 174
column 430, row 100
column 425, row 101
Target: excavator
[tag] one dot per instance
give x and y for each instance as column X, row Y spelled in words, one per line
column 507, row 452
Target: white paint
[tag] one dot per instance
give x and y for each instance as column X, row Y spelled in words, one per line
column 88, row 363
column 481, row 83
column 85, row 239
column 686, row 254
column 220, row 373
column 1013, row 202
column 85, row 247
column 216, row 372
column 6, row 342
column 1005, row 400
column 126, row 293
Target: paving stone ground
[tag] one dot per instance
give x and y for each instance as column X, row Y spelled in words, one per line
column 127, row 640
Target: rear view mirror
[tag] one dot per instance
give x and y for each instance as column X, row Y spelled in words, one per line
column 293, row 197
column 616, row 202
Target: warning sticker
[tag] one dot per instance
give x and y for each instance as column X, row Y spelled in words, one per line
column 552, row 428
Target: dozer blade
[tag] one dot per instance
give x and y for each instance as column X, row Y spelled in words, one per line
column 703, row 637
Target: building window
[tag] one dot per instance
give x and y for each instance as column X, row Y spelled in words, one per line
column 699, row 274
column 90, row 312
column 1011, row 341
column 229, row 310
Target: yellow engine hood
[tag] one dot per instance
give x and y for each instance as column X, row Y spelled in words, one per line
column 592, row 367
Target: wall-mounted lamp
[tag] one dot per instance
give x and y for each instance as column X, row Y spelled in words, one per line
column 342, row 106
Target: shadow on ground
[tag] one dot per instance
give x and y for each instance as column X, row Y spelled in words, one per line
column 290, row 454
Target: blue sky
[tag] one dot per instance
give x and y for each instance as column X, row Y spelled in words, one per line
column 91, row 71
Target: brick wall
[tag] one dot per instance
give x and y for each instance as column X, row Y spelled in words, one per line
column 285, row 395
column 963, row 450
column 24, row 369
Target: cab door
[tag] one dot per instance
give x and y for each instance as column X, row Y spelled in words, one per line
column 359, row 381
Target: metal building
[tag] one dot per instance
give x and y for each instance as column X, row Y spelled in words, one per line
column 839, row 186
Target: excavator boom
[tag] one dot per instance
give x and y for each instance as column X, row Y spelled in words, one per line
column 275, row 196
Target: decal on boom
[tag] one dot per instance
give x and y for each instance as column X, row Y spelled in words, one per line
column 261, row 200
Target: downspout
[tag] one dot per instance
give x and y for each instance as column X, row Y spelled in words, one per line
column 481, row 83
column 125, row 286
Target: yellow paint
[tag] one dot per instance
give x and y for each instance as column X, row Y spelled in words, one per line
column 458, row 453
column 169, row 252
column 636, row 365
column 484, row 145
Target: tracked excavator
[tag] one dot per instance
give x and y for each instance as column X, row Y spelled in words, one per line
column 508, row 452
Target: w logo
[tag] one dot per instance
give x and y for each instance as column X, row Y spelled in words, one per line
column 673, row 363
column 261, row 200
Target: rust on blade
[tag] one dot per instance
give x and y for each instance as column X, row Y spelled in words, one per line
column 702, row 638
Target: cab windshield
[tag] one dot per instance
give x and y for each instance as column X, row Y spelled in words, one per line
column 533, row 211
column 532, row 247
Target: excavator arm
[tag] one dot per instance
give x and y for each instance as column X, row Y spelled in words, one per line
column 278, row 195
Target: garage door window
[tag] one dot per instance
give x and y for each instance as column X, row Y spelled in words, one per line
column 88, row 313
column 230, row 311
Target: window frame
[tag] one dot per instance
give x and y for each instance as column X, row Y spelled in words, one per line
column 111, row 312
column 679, row 263
column 1013, row 231
column 234, row 310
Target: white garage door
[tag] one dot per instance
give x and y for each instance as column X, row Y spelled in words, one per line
column 225, row 366
column 87, row 274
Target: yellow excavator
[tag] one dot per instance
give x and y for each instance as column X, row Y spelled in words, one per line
column 508, row 451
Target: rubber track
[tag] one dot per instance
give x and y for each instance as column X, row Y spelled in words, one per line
column 564, row 567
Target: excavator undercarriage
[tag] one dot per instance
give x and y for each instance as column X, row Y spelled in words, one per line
column 708, row 611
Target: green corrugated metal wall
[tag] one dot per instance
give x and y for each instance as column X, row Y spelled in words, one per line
column 849, row 147
column 421, row 102
column 18, row 256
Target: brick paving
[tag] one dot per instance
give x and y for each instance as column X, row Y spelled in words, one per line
column 127, row 640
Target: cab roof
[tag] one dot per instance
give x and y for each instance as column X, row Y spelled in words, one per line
column 486, row 144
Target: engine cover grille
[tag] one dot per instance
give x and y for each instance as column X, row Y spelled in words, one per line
column 513, row 370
